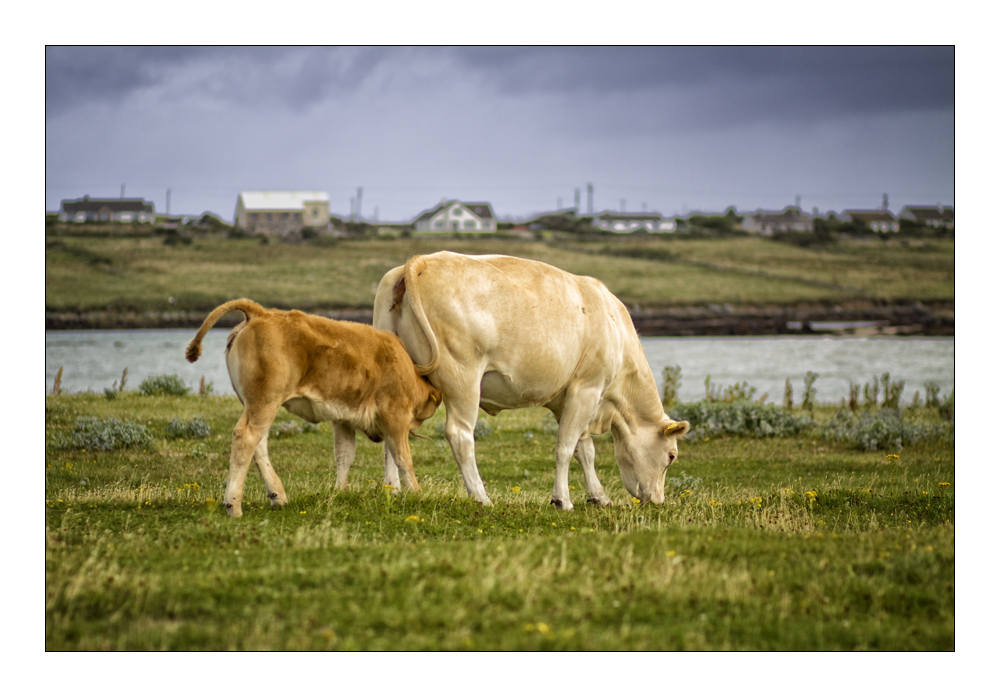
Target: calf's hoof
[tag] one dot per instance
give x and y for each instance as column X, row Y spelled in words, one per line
column 603, row 501
column 277, row 500
column 234, row 510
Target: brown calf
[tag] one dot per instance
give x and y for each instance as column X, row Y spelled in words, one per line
column 351, row 374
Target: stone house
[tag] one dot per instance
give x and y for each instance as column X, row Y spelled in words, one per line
column 111, row 210
column 791, row 219
column 456, row 216
column 281, row 212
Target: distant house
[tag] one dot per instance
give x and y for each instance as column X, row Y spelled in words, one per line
column 930, row 216
column 625, row 223
column 456, row 216
column 280, row 212
column 876, row 220
column 791, row 219
column 112, row 210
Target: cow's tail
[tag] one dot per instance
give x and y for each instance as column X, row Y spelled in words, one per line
column 408, row 284
column 247, row 307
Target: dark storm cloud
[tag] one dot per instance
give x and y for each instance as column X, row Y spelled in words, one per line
column 780, row 82
column 292, row 77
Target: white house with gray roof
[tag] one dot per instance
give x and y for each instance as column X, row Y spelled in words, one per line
column 456, row 216
column 279, row 212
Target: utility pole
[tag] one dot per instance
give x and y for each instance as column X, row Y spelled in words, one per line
column 359, row 203
column 576, row 200
column 168, row 201
column 352, row 209
column 798, row 200
column 123, row 191
column 590, row 198
column 885, row 202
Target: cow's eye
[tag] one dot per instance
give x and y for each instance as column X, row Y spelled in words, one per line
column 671, row 457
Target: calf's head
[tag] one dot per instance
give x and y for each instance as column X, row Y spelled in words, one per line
column 644, row 455
column 426, row 408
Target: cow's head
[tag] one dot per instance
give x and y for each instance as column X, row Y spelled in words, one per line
column 644, row 454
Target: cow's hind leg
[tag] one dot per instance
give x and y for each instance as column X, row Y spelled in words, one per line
column 459, row 426
column 252, row 426
column 586, row 456
column 344, row 448
column 272, row 483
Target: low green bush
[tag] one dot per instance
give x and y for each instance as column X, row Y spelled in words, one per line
column 195, row 428
column 91, row 433
column 163, row 385
column 740, row 417
column 286, row 429
column 885, row 429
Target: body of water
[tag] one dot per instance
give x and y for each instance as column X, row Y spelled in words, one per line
column 94, row 359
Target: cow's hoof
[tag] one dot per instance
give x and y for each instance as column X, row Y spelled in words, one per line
column 562, row 505
column 604, row 502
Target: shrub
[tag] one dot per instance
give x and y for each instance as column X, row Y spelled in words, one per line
column 196, row 428
column 92, row 433
column 163, row 385
column 809, row 398
column 741, row 417
column 671, row 383
column 885, row 429
column 285, row 429
column 684, row 481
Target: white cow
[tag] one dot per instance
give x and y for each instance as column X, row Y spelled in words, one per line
column 500, row 332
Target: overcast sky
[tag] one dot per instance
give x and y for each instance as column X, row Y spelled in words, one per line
column 673, row 129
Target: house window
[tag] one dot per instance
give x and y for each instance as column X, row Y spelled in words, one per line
column 125, row 217
column 284, row 217
column 454, row 225
column 253, row 217
column 81, row 217
column 315, row 212
column 269, row 217
column 456, row 211
column 439, row 225
column 295, row 217
column 470, row 224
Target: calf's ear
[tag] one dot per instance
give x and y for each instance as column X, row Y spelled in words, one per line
column 675, row 429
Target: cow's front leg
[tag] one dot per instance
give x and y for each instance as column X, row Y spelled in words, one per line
column 345, row 446
column 586, row 456
column 272, row 483
column 458, row 429
column 577, row 412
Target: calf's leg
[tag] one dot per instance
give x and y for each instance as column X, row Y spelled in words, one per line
column 398, row 444
column 344, row 447
column 252, row 426
column 272, row 483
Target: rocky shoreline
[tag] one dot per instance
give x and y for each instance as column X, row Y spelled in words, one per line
column 855, row 318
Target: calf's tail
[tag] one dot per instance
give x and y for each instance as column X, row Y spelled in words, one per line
column 414, row 267
column 247, row 307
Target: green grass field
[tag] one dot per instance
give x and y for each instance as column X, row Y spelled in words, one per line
column 763, row 544
column 95, row 273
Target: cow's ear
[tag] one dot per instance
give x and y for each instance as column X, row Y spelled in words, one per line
column 676, row 429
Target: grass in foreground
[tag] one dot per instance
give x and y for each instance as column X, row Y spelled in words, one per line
column 780, row 543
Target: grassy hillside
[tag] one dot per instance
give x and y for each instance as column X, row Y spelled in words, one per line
column 93, row 273
column 793, row 543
